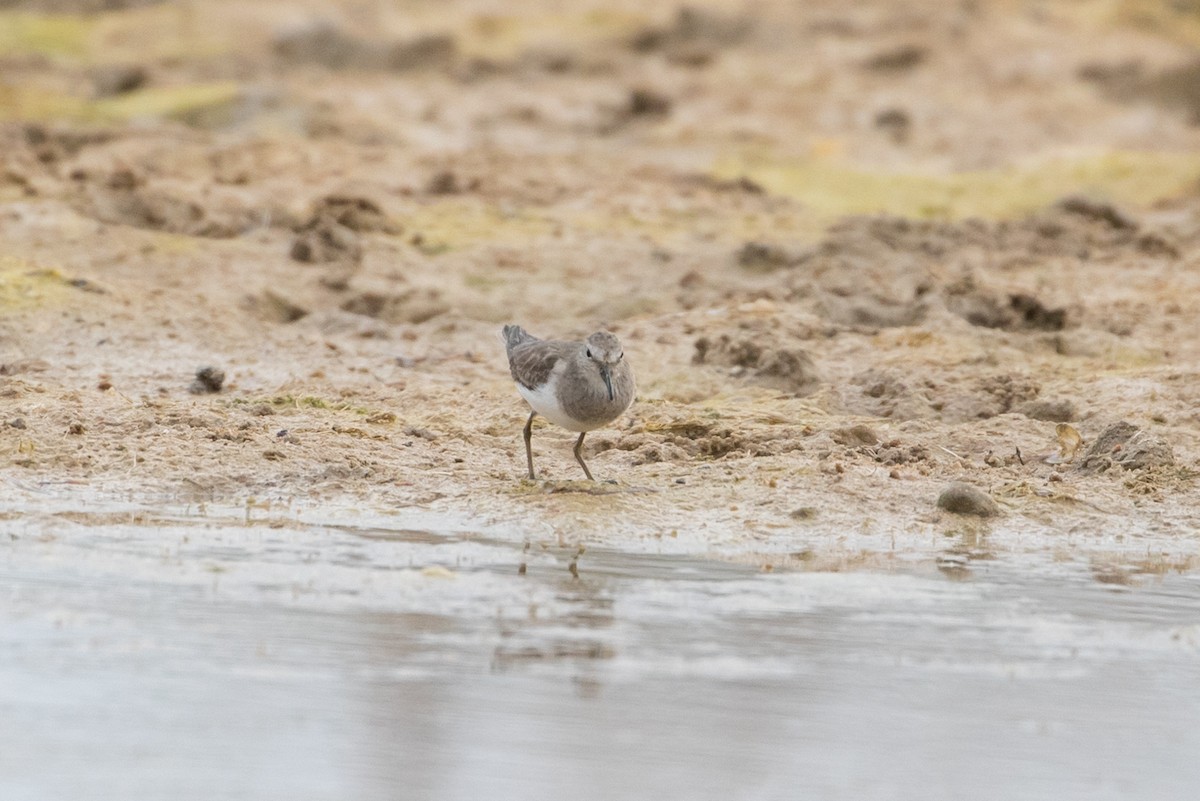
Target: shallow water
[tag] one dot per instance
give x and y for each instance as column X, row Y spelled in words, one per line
column 322, row 654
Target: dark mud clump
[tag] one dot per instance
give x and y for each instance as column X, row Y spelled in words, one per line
column 1175, row 88
column 359, row 214
column 764, row 257
column 1124, row 444
column 865, row 440
column 209, row 380
column 407, row 306
column 766, row 363
column 323, row 241
column 1003, row 392
column 1099, row 211
column 443, row 182
column 857, row 435
column 331, row 232
column 118, row 79
column 1014, row 312
column 883, row 271
column 641, row 104
column 888, row 393
column 899, row 59
column 896, row 123
column 52, row 144
column 123, row 197
column 648, row 103
column 324, row 43
column 273, row 306
column 684, row 439
column 694, row 37
column 902, row 396
column 1054, row 411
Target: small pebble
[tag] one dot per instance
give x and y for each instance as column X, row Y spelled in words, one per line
column 17, row 422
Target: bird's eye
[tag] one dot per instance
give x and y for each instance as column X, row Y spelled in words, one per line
column 589, row 353
column 620, row 355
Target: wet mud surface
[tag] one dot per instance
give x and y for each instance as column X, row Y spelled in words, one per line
column 912, row 295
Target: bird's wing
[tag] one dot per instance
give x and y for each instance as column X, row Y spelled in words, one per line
column 532, row 362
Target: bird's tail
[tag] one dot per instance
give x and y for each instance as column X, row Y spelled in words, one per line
column 514, row 335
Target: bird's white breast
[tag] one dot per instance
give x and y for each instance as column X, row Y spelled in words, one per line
column 544, row 401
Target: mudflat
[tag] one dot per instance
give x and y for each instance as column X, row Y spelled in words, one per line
column 856, row 254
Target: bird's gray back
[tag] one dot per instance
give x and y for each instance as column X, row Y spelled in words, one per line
column 532, row 360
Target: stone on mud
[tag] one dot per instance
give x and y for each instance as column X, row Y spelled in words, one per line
column 963, row 499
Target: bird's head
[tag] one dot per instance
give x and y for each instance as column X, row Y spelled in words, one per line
column 604, row 350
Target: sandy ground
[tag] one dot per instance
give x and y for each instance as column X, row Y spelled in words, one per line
column 855, row 253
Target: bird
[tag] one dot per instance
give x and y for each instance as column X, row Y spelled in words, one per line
column 579, row 386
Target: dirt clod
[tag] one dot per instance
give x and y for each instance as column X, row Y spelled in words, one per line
column 1054, row 411
column 898, row 59
column 693, row 30
column 407, row 306
column 647, row 102
column 208, row 380
column 763, row 256
column 325, row 43
column 787, row 368
column 895, row 122
column 118, row 79
column 1126, row 445
column 853, row 436
column 360, row 214
column 324, row 240
column 277, row 308
column 443, row 183
column 1106, row 213
column 1018, row 312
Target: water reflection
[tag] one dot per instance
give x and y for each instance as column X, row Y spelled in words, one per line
column 204, row 657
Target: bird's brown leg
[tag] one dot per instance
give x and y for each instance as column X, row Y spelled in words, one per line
column 579, row 456
column 528, row 447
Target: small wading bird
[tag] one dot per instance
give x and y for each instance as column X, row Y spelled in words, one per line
column 580, row 386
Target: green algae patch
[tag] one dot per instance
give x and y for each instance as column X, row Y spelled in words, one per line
column 504, row 37
column 457, row 224
column 163, row 31
column 197, row 104
column 24, row 284
column 192, row 103
column 833, row 189
column 37, row 34
column 30, row 103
